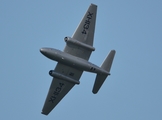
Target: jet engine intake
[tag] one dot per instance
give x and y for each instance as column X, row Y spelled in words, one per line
column 70, row 40
column 62, row 77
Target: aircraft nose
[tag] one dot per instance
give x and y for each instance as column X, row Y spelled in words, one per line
column 42, row 50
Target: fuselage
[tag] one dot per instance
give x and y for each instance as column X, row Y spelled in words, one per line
column 71, row 60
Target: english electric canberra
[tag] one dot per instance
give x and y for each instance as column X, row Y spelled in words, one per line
column 74, row 60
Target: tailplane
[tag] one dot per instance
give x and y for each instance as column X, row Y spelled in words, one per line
column 106, row 65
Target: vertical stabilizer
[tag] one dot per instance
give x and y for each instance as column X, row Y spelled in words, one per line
column 106, row 65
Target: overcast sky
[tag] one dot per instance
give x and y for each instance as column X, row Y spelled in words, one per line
column 132, row 27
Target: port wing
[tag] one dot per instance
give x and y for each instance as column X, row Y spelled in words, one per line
column 59, row 87
column 84, row 33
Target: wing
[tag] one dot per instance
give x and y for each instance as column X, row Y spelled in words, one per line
column 59, row 88
column 84, row 33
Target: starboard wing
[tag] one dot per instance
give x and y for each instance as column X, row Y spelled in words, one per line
column 84, row 33
column 59, row 88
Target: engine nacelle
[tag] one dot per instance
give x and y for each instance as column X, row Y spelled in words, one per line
column 62, row 77
column 70, row 40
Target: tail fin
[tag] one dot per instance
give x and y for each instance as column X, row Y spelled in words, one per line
column 106, row 65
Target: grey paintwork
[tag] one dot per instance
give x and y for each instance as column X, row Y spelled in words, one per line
column 84, row 33
column 77, row 43
column 74, row 60
column 62, row 77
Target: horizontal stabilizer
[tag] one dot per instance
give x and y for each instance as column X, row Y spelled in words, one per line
column 100, row 78
column 98, row 82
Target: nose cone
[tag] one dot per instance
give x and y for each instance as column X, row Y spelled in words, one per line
column 43, row 50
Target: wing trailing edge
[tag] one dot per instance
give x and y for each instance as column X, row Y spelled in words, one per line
column 100, row 78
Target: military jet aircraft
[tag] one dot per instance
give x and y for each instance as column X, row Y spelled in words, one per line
column 74, row 60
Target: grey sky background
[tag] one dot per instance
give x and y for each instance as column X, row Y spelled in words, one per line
column 132, row 27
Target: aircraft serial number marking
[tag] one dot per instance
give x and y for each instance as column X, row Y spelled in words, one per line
column 56, row 92
column 87, row 23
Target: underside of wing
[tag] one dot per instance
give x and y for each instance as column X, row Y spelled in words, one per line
column 57, row 91
column 85, row 30
column 84, row 33
column 59, row 87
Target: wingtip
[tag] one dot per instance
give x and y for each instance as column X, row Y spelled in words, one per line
column 113, row 51
column 93, row 4
column 94, row 92
column 43, row 113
